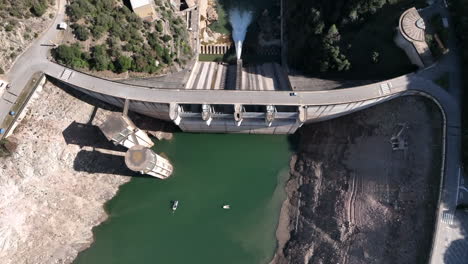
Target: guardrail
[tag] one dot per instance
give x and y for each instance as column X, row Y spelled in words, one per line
column 21, row 103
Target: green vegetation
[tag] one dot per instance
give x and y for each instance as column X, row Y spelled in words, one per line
column 120, row 41
column 1, row 70
column 222, row 24
column 81, row 32
column 229, row 57
column 350, row 39
column 23, row 8
column 437, row 30
column 459, row 9
column 71, row 55
column 4, row 152
column 6, row 148
column 444, row 81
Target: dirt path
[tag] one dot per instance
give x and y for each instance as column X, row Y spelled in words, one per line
column 359, row 201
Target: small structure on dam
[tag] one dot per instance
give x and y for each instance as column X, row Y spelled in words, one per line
column 411, row 38
column 119, row 129
column 145, row 161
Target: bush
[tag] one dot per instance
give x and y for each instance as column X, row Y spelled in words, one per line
column 123, row 64
column 1, row 70
column 8, row 27
column 159, row 26
column 97, row 31
column 39, row 8
column 143, row 42
column 71, row 56
column 166, row 38
column 81, row 32
column 100, row 59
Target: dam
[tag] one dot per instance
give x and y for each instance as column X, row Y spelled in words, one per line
column 216, row 97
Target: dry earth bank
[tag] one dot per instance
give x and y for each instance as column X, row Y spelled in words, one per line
column 52, row 189
column 352, row 199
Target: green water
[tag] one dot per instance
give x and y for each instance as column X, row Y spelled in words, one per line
column 248, row 172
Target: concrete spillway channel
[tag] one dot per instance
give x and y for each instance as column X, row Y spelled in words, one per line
column 220, row 76
column 208, row 76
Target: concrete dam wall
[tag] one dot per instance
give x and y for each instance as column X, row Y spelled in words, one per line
column 237, row 118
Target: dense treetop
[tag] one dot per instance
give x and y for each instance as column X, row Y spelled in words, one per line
column 119, row 40
column 24, row 8
column 322, row 24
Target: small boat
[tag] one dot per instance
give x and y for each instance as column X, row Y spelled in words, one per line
column 226, row 206
column 174, row 205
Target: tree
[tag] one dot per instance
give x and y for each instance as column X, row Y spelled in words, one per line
column 39, row 8
column 81, row 32
column 375, row 57
column 71, row 56
column 123, row 64
column 166, row 56
column 159, row 26
column 166, row 38
column 139, row 63
column 332, row 35
column 97, row 31
column 100, row 60
column 75, row 11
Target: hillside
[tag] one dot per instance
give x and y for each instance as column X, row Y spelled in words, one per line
column 21, row 21
column 107, row 36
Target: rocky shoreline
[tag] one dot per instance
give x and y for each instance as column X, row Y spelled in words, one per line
column 57, row 180
column 351, row 199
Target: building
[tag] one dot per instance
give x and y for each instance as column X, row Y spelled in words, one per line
column 144, row 9
column 121, row 130
column 145, row 161
column 411, row 37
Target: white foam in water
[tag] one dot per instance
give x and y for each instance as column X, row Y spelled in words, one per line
column 240, row 21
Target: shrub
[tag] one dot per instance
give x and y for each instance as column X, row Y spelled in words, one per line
column 71, row 56
column 81, row 32
column 159, row 26
column 8, row 27
column 97, row 31
column 39, row 8
column 100, row 59
column 123, row 64
column 166, row 38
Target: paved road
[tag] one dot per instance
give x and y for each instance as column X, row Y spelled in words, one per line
column 450, row 241
column 21, row 71
column 35, row 59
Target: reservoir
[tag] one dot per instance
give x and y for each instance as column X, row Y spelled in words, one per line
column 247, row 172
